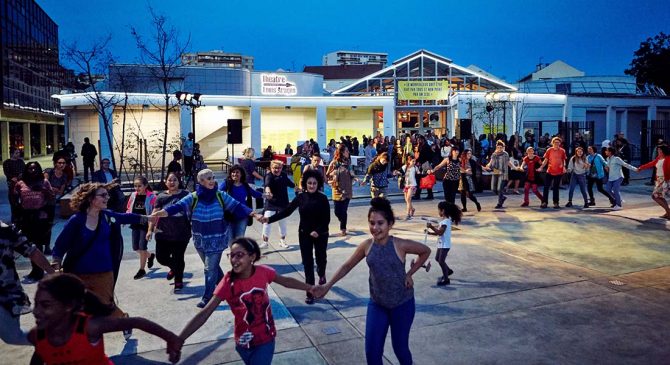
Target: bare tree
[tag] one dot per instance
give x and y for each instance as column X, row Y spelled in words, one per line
column 92, row 64
column 161, row 54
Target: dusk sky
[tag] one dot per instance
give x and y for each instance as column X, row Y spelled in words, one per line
column 506, row 38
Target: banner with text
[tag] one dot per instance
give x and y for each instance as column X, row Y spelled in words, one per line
column 423, row 90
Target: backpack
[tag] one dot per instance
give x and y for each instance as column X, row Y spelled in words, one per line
column 195, row 199
column 227, row 216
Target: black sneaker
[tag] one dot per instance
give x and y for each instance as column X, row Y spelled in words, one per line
column 592, row 203
column 309, row 299
column 449, row 272
column 444, row 282
column 464, row 210
column 178, row 287
column 568, row 205
column 140, row 274
column 322, row 280
column 150, row 262
column 586, row 205
column 170, row 275
column 557, row 206
column 543, row 206
column 202, row 304
column 479, row 207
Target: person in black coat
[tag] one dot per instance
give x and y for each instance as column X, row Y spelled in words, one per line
column 314, row 211
column 88, row 153
column 423, row 163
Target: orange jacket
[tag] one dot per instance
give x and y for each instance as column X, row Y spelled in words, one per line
column 666, row 167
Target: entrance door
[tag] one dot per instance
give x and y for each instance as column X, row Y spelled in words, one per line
column 414, row 121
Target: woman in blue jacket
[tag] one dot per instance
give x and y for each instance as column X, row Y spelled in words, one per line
column 596, row 175
column 90, row 245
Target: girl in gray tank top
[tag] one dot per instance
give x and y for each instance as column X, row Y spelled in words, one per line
column 391, row 288
column 387, row 276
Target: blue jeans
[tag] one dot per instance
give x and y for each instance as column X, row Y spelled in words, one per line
column 213, row 272
column 236, row 228
column 613, row 187
column 10, row 329
column 377, row 324
column 581, row 180
column 259, row 355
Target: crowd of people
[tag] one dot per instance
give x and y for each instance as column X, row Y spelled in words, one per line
column 73, row 309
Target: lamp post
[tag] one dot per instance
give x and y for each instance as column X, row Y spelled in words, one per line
column 192, row 101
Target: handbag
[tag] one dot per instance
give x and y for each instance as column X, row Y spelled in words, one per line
column 71, row 259
column 427, row 182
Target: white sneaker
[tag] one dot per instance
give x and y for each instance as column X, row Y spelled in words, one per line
column 616, row 207
column 283, row 244
column 263, row 245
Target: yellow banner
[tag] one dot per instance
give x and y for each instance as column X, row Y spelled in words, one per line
column 423, row 90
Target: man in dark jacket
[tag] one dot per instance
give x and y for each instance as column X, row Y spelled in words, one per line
column 423, row 164
column 88, row 153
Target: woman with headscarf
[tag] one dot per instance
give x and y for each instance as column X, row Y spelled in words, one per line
column 35, row 196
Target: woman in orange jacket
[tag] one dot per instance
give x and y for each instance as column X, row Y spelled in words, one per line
column 662, row 186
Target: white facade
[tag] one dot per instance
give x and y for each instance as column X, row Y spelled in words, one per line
column 275, row 121
column 354, row 58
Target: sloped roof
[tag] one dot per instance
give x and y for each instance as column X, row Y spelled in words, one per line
column 493, row 82
column 556, row 69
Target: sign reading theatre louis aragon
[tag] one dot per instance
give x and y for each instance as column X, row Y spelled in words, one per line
column 274, row 84
column 423, row 90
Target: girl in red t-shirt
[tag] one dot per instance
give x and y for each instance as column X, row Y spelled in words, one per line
column 245, row 289
column 71, row 320
column 530, row 164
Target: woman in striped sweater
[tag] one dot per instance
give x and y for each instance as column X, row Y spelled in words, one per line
column 206, row 208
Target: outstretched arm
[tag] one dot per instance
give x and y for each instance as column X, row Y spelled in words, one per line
column 99, row 326
column 199, row 319
column 351, row 262
column 292, row 283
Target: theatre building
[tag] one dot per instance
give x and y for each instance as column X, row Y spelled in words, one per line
column 420, row 92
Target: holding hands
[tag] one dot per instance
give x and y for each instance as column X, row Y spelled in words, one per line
column 174, row 345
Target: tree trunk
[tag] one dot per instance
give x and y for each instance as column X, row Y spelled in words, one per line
column 165, row 132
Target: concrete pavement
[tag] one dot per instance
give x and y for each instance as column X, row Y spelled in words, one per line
column 569, row 286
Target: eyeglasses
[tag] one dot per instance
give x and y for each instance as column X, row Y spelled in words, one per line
column 237, row 255
column 103, row 195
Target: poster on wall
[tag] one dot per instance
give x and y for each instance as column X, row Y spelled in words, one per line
column 423, row 90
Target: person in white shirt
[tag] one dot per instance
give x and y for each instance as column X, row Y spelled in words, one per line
column 614, row 169
column 449, row 213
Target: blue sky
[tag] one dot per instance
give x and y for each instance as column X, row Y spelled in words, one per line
column 506, row 38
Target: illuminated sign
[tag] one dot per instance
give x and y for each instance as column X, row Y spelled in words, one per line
column 274, row 84
column 423, row 90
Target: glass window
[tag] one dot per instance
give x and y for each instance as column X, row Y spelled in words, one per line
column 35, row 143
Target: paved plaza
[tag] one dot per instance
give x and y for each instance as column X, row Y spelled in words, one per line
column 531, row 286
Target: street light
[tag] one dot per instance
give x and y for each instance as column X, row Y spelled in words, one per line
column 192, row 101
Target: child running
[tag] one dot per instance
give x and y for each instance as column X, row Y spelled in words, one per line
column 449, row 213
column 245, row 289
column 70, row 323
